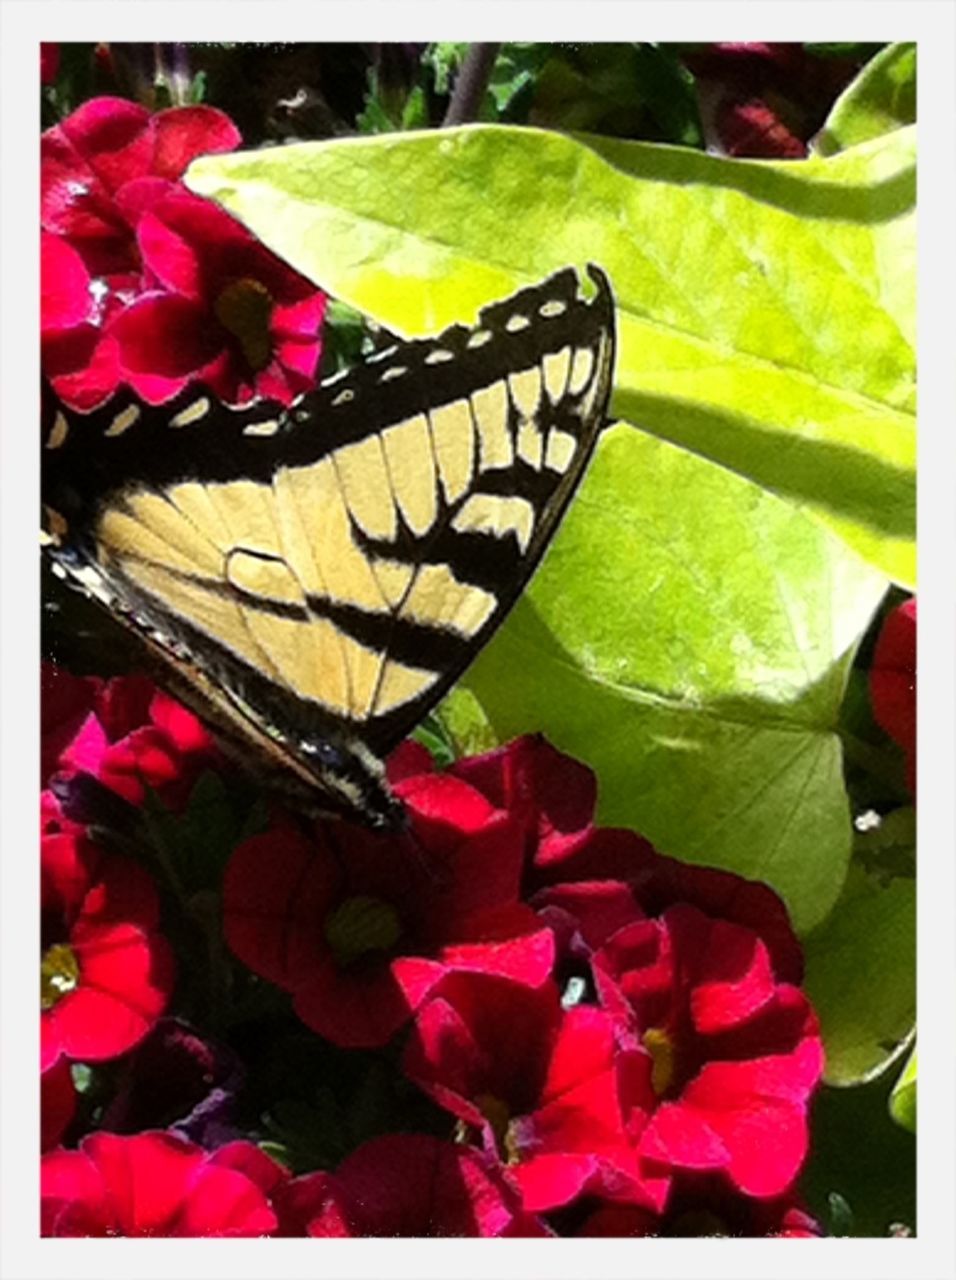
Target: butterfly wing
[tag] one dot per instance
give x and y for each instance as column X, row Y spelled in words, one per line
column 340, row 561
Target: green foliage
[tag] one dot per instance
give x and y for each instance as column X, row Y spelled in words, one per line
column 766, row 311
column 433, row 735
column 882, row 98
column 860, row 962
column 511, row 86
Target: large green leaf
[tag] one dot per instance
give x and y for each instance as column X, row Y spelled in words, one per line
column 861, row 961
column 688, row 635
column 766, row 311
column 880, row 99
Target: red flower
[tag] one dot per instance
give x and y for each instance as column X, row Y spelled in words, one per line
column 87, row 160
column 124, row 732
column 57, row 1102
column 106, row 974
column 765, row 100
column 737, row 1051
column 406, row 1185
column 65, row 702
column 156, row 1184
column 552, row 1092
column 360, row 927
column 145, row 283
column 221, row 309
column 49, row 62
column 893, row 682
column 552, row 793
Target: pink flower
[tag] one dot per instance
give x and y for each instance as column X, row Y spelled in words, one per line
column 219, row 309
column 406, row 1185
column 554, row 1093
column 360, row 927
column 87, row 160
column 147, row 285
column 156, row 1184
column 736, row 1050
column 124, row 732
column 106, row 972
column 49, row 62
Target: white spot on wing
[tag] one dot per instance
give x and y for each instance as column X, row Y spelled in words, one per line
column 123, row 421
column 581, row 369
column 515, row 323
column 552, row 308
column 439, row 356
column 58, row 432
column 192, row 413
column 560, row 450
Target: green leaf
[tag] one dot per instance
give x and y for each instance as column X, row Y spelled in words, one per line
column 903, row 1097
column 445, row 57
column 766, row 311
column 688, row 635
column 881, row 98
column 860, row 962
column 433, row 736
column 860, row 1175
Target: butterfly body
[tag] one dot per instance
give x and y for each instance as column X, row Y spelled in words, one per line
column 311, row 578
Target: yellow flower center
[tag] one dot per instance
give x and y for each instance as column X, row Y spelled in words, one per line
column 59, row 974
column 359, row 925
column 244, row 307
column 498, row 1116
column 661, row 1048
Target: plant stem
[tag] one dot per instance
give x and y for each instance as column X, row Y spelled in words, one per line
column 470, row 84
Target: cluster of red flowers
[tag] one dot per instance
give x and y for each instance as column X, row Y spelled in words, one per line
column 893, row 682
column 619, row 1040
column 144, row 284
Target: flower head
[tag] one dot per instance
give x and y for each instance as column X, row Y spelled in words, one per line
column 156, row 1184
column 406, row 1185
column 106, row 973
column 147, row 285
column 360, row 927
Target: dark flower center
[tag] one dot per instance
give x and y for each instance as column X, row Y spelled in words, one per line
column 59, row 974
column 361, row 925
column 498, row 1115
column 244, row 308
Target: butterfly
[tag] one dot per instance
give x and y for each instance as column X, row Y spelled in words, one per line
column 311, row 578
